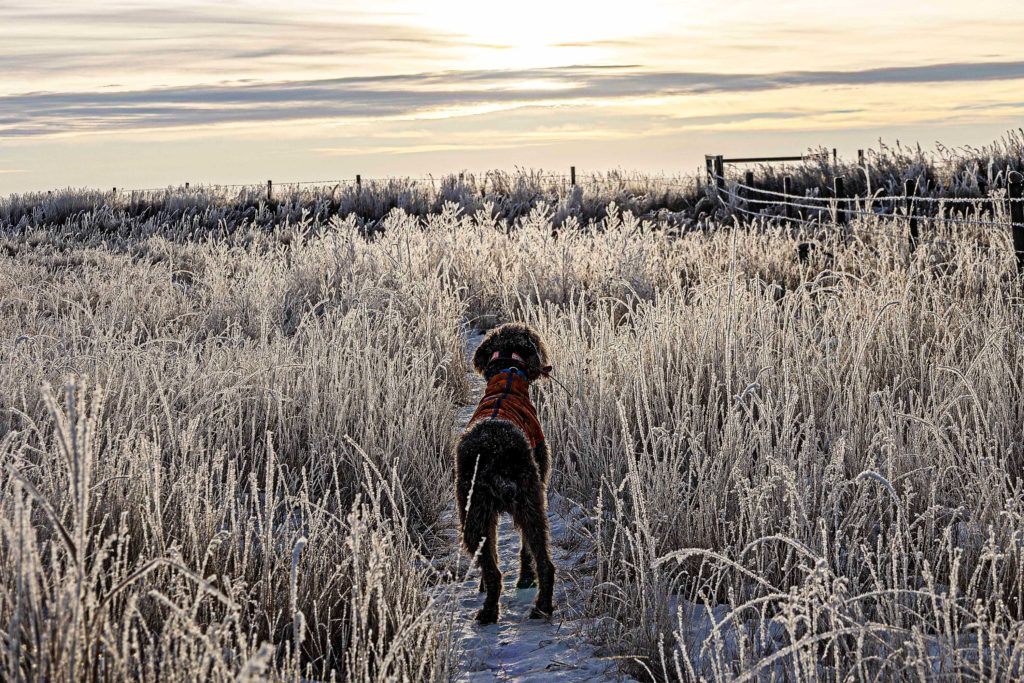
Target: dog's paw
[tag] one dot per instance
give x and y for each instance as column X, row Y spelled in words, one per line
column 538, row 613
column 487, row 615
column 527, row 581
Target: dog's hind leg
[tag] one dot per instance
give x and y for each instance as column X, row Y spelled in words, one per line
column 527, row 575
column 532, row 520
column 480, row 531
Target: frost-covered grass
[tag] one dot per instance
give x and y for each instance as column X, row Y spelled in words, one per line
column 806, row 471
column 674, row 201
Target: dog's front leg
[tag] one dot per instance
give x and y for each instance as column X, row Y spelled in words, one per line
column 527, row 575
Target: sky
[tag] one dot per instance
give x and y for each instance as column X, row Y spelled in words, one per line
column 149, row 94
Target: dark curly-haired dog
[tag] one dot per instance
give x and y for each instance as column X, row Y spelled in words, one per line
column 502, row 464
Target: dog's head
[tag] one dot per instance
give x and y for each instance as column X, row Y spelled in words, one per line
column 508, row 342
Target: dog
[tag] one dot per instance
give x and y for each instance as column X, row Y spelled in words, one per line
column 502, row 464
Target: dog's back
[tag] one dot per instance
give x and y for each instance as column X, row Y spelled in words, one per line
column 495, row 464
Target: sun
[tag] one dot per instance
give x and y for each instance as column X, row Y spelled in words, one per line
column 530, row 33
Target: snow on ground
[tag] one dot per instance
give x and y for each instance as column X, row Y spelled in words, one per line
column 517, row 647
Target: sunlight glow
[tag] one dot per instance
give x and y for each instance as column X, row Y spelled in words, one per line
column 530, row 33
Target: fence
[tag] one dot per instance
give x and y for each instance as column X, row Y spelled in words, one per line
column 357, row 182
column 746, row 200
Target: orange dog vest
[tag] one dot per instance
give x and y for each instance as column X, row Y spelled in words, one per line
column 507, row 397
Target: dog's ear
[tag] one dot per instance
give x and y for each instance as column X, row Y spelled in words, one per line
column 538, row 346
column 537, row 365
column 483, row 354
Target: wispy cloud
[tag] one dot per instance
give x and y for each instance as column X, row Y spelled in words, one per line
column 396, row 96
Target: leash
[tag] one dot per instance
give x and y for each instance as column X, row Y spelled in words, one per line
column 546, row 373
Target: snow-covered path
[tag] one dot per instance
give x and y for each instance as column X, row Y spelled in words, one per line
column 518, row 648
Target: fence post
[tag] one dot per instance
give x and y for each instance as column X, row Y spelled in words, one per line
column 910, row 190
column 359, row 184
column 787, row 189
column 186, row 185
column 572, row 176
column 1015, row 191
column 860, row 157
column 835, row 157
column 114, row 191
column 270, row 189
column 748, row 180
column 840, row 191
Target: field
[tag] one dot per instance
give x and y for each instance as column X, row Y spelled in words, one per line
column 226, row 428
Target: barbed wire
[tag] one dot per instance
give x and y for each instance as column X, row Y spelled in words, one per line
column 831, row 205
column 871, row 198
column 874, row 229
column 882, row 216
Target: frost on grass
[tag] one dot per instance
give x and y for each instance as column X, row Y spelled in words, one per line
column 782, row 470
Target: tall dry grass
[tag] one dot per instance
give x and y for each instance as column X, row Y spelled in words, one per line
column 798, row 471
column 254, row 488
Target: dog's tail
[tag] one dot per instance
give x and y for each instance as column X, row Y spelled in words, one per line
column 497, row 453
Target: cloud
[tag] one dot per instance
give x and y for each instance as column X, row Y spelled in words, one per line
column 48, row 113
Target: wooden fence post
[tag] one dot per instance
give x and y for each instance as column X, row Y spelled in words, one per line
column 835, row 156
column 114, row 191
column 752, row 204
column 572, row 176
column 910, row 190
column 860, row 157
column 359, row 184
column 839, row 185
column 1015, row 192
column 270, row 189
column 186, row 185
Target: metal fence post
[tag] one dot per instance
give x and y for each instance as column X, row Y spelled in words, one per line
column 910, row 190
column 1015, row 192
